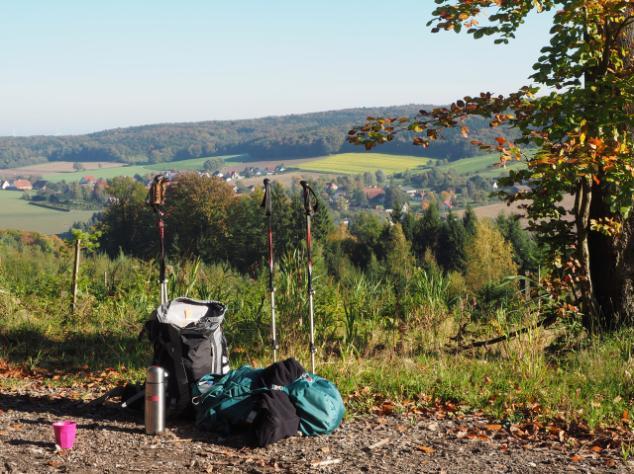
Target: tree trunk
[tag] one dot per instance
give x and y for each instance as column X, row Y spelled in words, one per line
column 583, row 205
column 612, row 259
column 612, row 263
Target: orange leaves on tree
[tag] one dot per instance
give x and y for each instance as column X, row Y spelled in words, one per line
column 595, row 143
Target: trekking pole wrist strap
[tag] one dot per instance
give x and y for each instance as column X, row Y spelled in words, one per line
column 310, row 206
column 266, row 201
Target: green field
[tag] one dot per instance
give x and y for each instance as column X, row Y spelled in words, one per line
column 357, row 163
column 16, row 213
column 343, row 163
column 131, row 170
column 105, row 173
column 194, row 164
column 482, row 165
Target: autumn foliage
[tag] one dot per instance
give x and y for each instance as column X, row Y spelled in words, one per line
column 576, row 117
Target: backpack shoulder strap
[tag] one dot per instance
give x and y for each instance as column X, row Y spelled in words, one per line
column 182, row 382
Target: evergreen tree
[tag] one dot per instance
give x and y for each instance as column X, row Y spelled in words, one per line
column 397, row 210
column 451, row 244
column 526, row 251
column 408, row 221
column 367, row 231
column 427, row 231
column 470, row 220
column 399, row 264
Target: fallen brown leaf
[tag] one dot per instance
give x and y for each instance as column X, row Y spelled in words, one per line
column 428, row 450
column 387, row 407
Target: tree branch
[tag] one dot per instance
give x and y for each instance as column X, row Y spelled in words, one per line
column 546, row 322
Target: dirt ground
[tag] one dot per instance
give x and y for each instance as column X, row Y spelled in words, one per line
column 112, row 440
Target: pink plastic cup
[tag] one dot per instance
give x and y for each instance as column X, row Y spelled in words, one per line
column 65, row 432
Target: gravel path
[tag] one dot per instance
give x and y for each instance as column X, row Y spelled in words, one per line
column 111, row 440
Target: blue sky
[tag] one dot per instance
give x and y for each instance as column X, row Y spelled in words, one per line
column 80, row 66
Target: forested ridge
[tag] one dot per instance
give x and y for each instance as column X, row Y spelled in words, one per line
column 290, row 136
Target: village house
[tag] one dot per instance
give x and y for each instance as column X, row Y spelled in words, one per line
column 40, row 185
column 88, row 180
column 22, row 185
column 5, row 184
column 374, row 194
column 413, row 193
column 233, row 176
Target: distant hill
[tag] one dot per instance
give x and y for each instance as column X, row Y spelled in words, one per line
column 287, row 137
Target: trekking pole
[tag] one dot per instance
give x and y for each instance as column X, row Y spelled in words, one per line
column 156, row 199
column 310, row 207
column 268, row 209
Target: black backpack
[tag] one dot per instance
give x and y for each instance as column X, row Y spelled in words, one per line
column 188, row 343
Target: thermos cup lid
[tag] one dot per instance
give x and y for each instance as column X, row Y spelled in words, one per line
column 155, row 374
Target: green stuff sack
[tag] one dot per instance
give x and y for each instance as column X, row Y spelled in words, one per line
column 224, row 402
column 318, row 404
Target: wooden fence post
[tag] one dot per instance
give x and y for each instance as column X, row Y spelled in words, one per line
column 76, row 273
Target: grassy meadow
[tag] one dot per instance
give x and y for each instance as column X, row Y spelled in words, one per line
column 358, row 163
column 484, row 165
column 131, row 170
column 16, row 213
column 588, row 380
column 343, row 163
column 195, row 164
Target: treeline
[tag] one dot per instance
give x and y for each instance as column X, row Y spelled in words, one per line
column 71, row 195
column 285, row 137
column 205, row 219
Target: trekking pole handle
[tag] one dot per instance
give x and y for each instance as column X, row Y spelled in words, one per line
column 309, row 206
column 267, row 203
